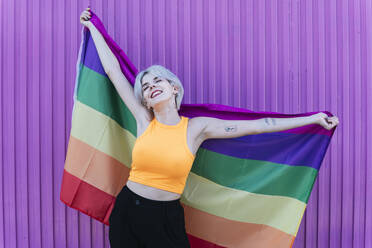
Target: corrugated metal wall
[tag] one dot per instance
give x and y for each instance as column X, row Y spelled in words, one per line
column 289, row 56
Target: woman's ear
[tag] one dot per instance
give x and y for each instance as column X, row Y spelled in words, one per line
column 176, row 88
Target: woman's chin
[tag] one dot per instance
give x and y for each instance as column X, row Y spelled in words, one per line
column 158, row 102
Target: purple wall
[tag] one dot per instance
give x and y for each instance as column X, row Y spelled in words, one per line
column 287, row 56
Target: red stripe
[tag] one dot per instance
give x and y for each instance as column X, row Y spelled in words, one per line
column 197, row 242
column 84, row 197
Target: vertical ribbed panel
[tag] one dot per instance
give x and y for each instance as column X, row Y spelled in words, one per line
column 286, row 56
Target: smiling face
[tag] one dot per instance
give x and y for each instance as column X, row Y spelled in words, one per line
column 157, row 90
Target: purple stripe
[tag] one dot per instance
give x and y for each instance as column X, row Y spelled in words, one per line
column 93, row 62
column 129, row 70
column 274, row 147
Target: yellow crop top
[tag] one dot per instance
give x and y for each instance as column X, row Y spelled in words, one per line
column 161, row 157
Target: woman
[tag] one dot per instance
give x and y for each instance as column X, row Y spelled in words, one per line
column 147, row 211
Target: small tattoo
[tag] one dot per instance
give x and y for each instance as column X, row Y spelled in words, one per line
column 272, row 120
column 231, row 128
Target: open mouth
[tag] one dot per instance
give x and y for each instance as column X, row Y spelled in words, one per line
column 156, row 93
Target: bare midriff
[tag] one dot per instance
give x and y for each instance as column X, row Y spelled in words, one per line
column 151, row 192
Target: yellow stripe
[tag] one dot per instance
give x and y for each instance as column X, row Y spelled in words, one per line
column 283, row 213
column 102, row 133
column 243, row 206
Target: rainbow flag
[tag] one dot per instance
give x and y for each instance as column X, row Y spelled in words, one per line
column 249, row 191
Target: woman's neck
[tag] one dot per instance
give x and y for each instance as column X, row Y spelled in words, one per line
column 167, row 114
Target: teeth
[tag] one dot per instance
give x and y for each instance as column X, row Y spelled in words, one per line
column 156, row 93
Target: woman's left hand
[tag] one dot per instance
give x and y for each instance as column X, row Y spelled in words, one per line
column 325, row 121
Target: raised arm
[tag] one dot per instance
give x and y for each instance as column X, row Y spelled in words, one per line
column 112, row 68
column 218, row 128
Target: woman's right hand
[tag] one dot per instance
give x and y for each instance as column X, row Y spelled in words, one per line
column 85, row 16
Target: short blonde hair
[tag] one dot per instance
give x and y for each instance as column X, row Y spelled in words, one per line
column 163, row 72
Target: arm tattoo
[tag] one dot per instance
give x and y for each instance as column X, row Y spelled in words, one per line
column 272, row 120
column 231, row 129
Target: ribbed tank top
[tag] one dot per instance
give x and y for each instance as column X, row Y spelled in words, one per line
column 161, row 157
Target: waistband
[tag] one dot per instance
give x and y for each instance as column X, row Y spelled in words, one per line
column 140, row 199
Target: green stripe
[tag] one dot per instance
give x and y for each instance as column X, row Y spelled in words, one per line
column 256, row 176
column 109, row 101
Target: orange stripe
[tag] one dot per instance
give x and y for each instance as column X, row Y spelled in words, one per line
column 95, row 167
column 231, row 233
column 225, row 232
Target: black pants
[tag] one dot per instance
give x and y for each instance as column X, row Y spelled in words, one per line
column 136, row 221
